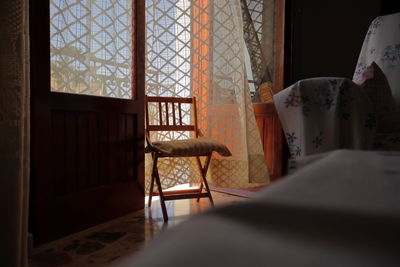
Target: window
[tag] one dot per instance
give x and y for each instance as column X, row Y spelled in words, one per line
column 91, row 47
column 169, row 47
column 258, row 22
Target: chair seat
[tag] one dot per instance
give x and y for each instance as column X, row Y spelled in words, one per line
column 191, row 147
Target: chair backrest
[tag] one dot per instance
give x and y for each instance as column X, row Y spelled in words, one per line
column 170, row 114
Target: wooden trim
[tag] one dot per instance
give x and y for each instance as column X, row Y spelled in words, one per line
column 173, row 115
column 279, row 45
column 173, row 101
column 196, row 127
column 180, row 113
column 160, row 112
column 39, row 41
column 170, row 128
column 169, row 99
column 161, row 155
column 283, row 44
column 288, row 13
column 77, row 102
column 147, row 115
column 167, row 112
column 185, row 196
column 288, row 44
column 175, row 192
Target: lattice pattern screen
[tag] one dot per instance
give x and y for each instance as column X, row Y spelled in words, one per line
column 91, row 47
column 230, row 115
column 195, row 47
column 169, row 42
column 256, row 8
column 258, row 21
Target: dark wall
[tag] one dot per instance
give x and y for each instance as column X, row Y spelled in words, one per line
column 390, row 6
column 327, row 36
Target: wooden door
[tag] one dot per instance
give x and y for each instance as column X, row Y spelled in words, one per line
column 87, row 163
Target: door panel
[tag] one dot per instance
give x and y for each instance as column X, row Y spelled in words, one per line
column 76, row 149
column 87, row 151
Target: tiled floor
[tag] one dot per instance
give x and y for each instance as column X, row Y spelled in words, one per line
column 103, row 244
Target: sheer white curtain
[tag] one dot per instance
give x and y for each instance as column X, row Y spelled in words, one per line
column 14, row 132
column 196, row 47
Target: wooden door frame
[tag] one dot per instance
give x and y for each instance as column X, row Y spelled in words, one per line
column 282, row 68
column 283, row 44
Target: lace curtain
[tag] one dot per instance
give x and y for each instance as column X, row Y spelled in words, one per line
column 14, row 132
column 91, row 47
column 196, row 47
column 258, row 22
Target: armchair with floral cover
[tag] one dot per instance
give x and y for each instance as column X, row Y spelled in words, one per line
column 327, row 113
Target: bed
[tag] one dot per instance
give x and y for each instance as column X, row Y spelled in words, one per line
column 340, row 209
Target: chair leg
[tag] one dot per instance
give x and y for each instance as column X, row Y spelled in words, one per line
column 200, row 190
column 151, row 185
column 203, row 171
column 160, row 192
column 207, row 164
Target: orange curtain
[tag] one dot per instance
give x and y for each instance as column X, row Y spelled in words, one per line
column 201, row 72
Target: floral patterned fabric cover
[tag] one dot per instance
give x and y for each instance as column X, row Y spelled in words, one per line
column 323, row 114
column 382, row 45
column 387, row 141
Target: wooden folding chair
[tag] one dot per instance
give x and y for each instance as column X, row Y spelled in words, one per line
column 170, row 118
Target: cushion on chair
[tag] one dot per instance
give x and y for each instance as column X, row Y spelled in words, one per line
column 375, row 84
column 191, row 147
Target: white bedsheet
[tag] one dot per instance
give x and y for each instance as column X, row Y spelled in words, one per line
column 341, row 210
